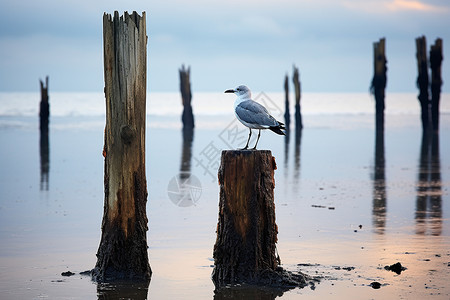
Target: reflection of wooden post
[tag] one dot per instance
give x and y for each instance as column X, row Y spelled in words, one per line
column 44, row 151
column 422, row 80
column 379, row 185
column 298, row 90
column 186, row 96
column 436, row 81
column 379, row 82
column 245, row 248
column 287, row 114
column 44, row 109
column 122, row 253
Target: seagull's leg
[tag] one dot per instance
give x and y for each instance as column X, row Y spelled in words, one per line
column 259, row 134
column 249, row 136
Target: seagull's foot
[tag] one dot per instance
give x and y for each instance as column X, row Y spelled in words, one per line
column 245, row 148
column 254, row 148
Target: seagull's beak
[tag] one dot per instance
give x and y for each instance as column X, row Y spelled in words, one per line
column 229, row 91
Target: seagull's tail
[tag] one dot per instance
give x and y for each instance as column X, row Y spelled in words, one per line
column 277, row 129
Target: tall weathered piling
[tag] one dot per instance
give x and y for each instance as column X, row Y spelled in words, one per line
column 379, row 82
column 423, row 81
column 245, row 248
column 298, row 90
column 186, row 97
column 436, row 58
column 122, row 253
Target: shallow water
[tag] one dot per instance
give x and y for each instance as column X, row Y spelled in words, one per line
column 330, row 180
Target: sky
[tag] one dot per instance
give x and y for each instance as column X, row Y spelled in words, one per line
column 226, row 43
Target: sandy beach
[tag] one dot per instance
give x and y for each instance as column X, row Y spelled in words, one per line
column 342, row 215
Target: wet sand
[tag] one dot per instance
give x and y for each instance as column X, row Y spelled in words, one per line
column 329, row 181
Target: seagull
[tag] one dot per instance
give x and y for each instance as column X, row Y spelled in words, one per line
column 252, row 114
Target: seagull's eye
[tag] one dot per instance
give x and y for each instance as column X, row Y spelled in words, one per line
column 237, row 89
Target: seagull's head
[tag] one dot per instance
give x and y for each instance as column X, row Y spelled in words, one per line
column 241, row 91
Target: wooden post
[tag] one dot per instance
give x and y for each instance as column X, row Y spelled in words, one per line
column 44, row 150
column 245, row 248
column 298, row 90
column 379, row 82
column 436, row 58
column 44, row 107
column 422, row 81
column 122, row 254
column 186, row 97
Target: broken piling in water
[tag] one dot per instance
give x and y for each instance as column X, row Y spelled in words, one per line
column 436, row 58
column 298, row 90
column 379, row 82
column 423, row 81
column 44, row 148
column 44, row 107
column 186, row 97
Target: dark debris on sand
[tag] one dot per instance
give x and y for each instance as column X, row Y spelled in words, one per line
column 397, row 268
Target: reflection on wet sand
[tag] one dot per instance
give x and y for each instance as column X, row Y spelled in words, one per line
column 244, row 293
column 379, row 186
column 298, row 139
column 286, row 149
column 116, row 291
column 297, row 150
column 429, row 187
column 44, row 151
column 186, row 151
column 185, row 189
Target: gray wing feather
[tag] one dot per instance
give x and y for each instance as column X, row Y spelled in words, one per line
column 254, row 113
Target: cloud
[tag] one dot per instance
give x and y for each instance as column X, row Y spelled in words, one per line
column 393, row 6
column 398, row 5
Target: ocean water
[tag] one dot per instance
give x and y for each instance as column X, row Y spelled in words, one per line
column 331, row 178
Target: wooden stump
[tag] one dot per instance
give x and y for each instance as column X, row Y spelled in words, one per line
column 245, row 248
column 186, row 96
column 423, row 81
column 298, row 90
column 122, row 254
column 379, row 83
column 436, row 58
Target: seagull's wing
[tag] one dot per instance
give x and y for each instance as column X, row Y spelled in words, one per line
column 254, row 113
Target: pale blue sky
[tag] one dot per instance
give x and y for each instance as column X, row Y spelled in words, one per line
column 226, row 43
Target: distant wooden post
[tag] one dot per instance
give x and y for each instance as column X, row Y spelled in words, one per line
column 44, row 149
column 44, row 107
column 122, row 253
column 287, row 114
column 245, row 248
column 379, row 82
column 422, row 81
column 436, row 58
column 298, row 90
column 186, row 96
